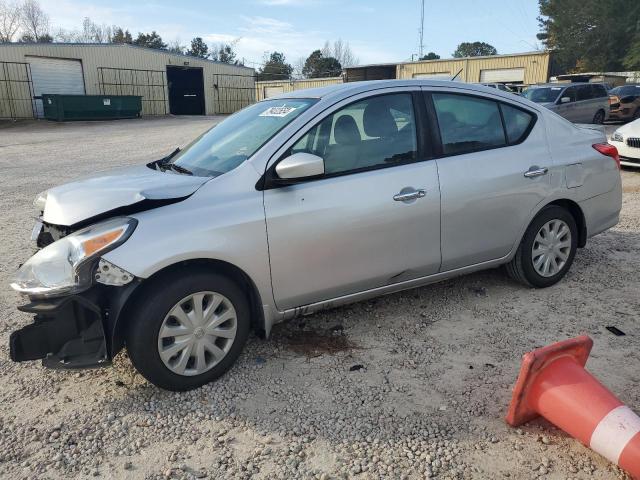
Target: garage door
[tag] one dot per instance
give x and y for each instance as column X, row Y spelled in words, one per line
column 272, row 91
column 502, row 75
column 55, row 75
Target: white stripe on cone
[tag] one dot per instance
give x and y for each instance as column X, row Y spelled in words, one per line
column 614, row 432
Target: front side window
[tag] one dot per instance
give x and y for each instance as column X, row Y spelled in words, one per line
column 231, row 142
column 371, row 133
column 468, row 123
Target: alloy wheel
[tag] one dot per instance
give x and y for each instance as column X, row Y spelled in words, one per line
column 197, row 333
column 551, row 248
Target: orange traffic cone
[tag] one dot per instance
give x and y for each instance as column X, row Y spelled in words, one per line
column 554, row 384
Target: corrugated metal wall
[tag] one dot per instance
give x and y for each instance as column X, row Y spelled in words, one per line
column 536, row 67
column 280, row 86
column 128, row 57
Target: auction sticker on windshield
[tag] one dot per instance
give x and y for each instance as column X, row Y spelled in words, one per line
column 277, row 111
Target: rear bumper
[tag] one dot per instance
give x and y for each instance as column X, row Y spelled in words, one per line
column 75, row 331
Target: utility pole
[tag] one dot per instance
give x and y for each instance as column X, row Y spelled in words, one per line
column 421, row 31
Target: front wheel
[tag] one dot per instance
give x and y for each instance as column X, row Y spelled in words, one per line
column 598, row 118
column 189, row 330
column 547, row 249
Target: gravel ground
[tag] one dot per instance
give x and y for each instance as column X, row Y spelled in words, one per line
column 411, row 385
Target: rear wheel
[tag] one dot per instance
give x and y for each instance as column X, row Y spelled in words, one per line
column 598, row 118
column 189, row 330
column 547, row 249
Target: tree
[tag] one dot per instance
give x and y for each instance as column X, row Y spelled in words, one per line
column 319, row 66
column 632, row 58
column 150, row 40
column 341, row 51
column 475, row 49
column 275, row 68
column 590, row 35
column 224, row 53
column 176, row 47
column 35, row 23
column 198, row 48
column 121, row 36
column 430, row 56
column 10, row 18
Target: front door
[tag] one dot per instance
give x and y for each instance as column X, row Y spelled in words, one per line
column 186, row 90
column 372, row 220
column 491, row 176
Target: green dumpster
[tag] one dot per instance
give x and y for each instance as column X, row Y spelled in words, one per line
column 90, row 107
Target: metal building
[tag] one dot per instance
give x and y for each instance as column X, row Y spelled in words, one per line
column 514, row 69
column 168, row 82
column 271, row 88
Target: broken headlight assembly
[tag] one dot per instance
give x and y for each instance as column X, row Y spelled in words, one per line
column 67, row 265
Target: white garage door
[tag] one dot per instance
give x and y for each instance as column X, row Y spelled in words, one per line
column 272, row 91
column 55, row 75
column 502, row 75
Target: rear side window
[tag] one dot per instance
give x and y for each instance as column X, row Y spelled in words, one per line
column 517, row 123
column 468, row 123
column 599, row 91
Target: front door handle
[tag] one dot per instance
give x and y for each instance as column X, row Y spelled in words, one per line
column 536, row 171
column 407, row 196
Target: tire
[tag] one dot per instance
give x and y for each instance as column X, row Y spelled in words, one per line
column 522, row 268
column 178, row 293
column 598, row 118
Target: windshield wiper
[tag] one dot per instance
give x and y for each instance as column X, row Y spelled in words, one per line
column 178, row 168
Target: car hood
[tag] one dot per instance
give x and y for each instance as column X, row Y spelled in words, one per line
column 632, row 128
column 118, row 191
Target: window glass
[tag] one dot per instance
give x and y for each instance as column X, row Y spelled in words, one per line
column 370, row 133
column 585, row 92
column 542, row 94
column 570, row 93
column 599, row 91
column 235, row 139
column 468, row 123
column 516, row 122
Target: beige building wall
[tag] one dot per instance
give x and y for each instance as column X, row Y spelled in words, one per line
column 137, row 58
column 535, row 66
column 269, row 89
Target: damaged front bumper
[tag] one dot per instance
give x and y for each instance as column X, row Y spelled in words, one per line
column 75, row 331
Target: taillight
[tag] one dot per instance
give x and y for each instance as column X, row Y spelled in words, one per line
column 608, row 150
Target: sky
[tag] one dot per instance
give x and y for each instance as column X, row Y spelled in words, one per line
column 377, row 30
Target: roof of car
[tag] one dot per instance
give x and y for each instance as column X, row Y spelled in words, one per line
column 562, row 85
column 344, row 89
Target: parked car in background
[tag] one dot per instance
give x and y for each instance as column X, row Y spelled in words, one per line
column 627, row 140
column 577, row 102
column 302, row 202
column 624, row 102
column 499, row 86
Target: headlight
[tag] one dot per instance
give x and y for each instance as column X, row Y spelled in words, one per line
column 617, row 137
column 40, row 201
column 66, row 266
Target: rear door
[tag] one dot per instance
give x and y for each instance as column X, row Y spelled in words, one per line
column 491, row 177
column 373, row 219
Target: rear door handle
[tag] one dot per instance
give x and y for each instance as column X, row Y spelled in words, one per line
column 405, row 196
column 536, row 171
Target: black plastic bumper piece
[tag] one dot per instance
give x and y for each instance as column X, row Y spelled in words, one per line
column 67, row 333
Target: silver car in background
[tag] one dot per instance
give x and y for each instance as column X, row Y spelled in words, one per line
column 303, row 202
column 577, row 102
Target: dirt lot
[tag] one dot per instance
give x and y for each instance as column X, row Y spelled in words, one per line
column 412, row 385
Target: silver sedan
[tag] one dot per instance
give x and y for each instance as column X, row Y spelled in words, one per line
column 307, row 201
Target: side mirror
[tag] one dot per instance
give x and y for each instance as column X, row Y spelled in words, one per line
column 565, row 100
column 299, row 166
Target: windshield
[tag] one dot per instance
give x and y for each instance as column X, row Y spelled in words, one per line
column 542, row 94
column 231, row 142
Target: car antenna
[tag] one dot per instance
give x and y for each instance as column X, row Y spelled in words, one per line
column 456, row 75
